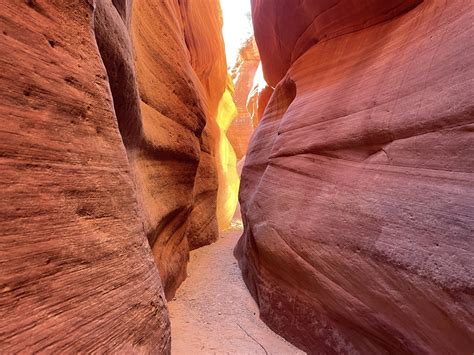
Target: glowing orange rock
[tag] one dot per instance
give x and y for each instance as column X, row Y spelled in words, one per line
column 227, row 197
column 258, row 97
column 181, row 72
column 243, row 75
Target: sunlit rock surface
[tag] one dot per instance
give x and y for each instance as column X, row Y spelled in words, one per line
column 109, row 145
column 243, row 75
column 181, row 70
column 202, row 27
column 357, row 189
column 227, row 197
column 76, row 274
column 258, row 97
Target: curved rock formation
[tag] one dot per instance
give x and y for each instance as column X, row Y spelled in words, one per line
column 243, row 75
column 181, row 78
column 76, row 270
column 203, row 37
column 109, row 138
column 357, row 189
column 227, row 197
column 258, row 97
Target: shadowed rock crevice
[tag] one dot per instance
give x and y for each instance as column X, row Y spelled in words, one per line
column 112, row 35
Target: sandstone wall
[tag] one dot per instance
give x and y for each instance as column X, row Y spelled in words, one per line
column 357, row 189
column 181, row 69
column 181, row 78
column 258, row 97
column 76, row 274
column 243, row 74
column 109, row 146
column 203, row 36
column 227, row 197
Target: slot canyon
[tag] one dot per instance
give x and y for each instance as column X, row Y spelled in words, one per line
column 237, row 176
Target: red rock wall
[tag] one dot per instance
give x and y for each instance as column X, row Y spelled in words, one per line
column 357, row 189
column 258, row 97
column 181, row 77
column 76, row 274
column 203, row 35
column 243, row 74
column 109, row 138
column 286, row 29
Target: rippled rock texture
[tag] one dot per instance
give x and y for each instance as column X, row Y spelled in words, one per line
column 243, row 75
column 258, row 97
column 77, row 272
column 181, row 71
column 357, row 189
column 109, row 145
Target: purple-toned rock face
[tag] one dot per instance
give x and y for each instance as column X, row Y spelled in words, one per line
column 357, row 192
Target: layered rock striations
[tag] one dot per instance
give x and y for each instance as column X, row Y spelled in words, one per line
column 181, row 71
column 357, row 189
column 77, row 274
column 203, row 37
column 258, row 97
column 227, row 197
column 110, row 145
column 243, row 75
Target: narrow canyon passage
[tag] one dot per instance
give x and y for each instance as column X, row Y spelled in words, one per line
column 213, row 312
column 132, row 130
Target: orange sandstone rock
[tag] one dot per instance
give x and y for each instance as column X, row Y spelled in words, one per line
column 217, row 174
column 357, row 191
column 227, row 197
column 258, row 97
column 109, row 146
column 181, row 70
column 243, row 75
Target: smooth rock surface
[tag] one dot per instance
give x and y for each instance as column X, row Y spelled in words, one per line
column 181, row 71
column 258, row 97
column 227, row 196
column 203, row 37
column 357, row 190
column 243, row 75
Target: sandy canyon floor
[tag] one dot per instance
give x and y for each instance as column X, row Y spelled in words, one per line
column 213, row 312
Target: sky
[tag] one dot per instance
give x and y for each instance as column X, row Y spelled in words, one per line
column 237, row 26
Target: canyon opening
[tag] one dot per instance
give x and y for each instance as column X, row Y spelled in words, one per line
column 236, row 176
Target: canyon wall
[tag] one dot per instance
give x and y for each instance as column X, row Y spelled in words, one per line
column 109, row 145
column 258, row 97
column 227, row 197
column 243, row 75
column 181, row 70
column 357, row 191
column 77, row 274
